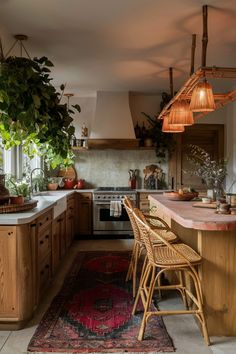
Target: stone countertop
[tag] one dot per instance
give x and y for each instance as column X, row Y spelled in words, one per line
column 185, row 214
column 46, row 200
column 150, row 191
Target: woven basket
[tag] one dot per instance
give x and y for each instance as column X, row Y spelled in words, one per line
column 17, row 208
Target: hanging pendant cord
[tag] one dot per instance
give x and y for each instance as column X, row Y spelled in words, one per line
column 19, row 39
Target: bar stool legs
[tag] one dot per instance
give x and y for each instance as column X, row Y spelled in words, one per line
column 145, row 293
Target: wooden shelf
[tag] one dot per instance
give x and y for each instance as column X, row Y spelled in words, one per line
column 79, row 148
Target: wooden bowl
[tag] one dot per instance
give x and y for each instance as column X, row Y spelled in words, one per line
column 179, row 197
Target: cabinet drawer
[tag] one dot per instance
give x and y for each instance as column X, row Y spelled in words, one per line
column 144, row 205
column 44, row 220
column 85, row 196
column 143, row 196
column 44, row 243
column 45, row 269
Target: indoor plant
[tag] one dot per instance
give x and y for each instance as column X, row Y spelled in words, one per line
column 31, row 113
column 211, row 171
column 19, row 190
column 164, row 142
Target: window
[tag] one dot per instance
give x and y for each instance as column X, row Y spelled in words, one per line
column 16, row 163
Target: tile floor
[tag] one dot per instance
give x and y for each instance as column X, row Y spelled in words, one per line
column 183, row 329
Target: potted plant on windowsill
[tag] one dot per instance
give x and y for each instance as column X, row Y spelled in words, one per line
column 31, row 113
column 52, row 184
column 19, row 190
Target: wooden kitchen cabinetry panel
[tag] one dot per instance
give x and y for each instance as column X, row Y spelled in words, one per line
column 29, row 255
column 210, row 137
column 70, row 220
column 84, row 214
column 44, row 251
column 17, row 294
column 143, row 201
column 8, row 269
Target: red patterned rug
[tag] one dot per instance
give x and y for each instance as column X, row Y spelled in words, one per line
column 93, row 312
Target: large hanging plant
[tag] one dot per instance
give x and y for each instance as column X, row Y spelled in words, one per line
column 31, row 113
column 164, row 142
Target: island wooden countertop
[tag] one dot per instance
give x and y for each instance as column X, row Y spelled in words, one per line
column 192, row 217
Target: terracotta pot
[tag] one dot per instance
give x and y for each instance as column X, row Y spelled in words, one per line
column 52, row 186
column 16, row 199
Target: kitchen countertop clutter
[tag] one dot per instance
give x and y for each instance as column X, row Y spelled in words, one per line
column 49, row 199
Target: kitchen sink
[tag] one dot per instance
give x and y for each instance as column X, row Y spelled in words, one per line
column 59, row 199
column 50, row 193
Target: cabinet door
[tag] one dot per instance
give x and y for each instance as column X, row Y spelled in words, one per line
column 44, row 251
column 8, row 271
column 56, row 240
column 70, row 220
column 84, row 212
column 210, row 137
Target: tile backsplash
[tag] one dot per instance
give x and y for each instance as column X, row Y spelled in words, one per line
column 110, row 167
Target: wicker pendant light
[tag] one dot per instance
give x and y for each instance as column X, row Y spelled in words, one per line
column 202, row 99
column 180, row 114
column 170, row 128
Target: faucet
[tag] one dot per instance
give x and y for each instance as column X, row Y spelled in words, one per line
column 31, row 177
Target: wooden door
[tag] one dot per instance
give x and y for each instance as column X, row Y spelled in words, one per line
column 208, row 136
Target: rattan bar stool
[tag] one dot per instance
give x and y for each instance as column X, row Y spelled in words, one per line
column 170, row 257
column 139, row 246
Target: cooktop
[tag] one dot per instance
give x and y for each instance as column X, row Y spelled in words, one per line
column 108, row 189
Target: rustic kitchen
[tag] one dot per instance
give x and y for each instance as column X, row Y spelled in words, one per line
column 117, row 179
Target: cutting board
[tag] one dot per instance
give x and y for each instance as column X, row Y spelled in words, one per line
column 204, row 205
column 68, row 172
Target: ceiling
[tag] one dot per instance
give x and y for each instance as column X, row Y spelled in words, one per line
column 120, row 45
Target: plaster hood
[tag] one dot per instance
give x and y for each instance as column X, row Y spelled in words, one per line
column 112, row 119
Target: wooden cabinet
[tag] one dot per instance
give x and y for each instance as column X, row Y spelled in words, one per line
column 84, row 213
column 44, row 250
column 143, row 201
column 8, row 267
column 210, row 137
column 17, row 278
column 29, row 256
column 70, row 220
column 58, row 240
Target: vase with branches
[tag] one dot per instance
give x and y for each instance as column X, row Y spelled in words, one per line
column 213, row 172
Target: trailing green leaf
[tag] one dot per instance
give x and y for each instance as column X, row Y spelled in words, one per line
column 31, row 112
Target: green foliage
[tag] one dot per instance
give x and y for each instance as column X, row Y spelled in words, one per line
column 164, row 142
column 17, row 187
column 211, row 171
column 31, row 112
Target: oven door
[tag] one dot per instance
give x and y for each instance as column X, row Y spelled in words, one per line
column 105, row 224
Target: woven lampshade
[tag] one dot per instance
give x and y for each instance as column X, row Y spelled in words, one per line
column 180, row 114
column 169, row 128
column 202, row 99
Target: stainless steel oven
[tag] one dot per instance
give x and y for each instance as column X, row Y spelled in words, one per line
column 103, row 221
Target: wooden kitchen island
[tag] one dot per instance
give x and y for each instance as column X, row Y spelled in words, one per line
column 213, row 236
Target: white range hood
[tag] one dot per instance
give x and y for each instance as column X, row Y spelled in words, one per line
column 112, row 119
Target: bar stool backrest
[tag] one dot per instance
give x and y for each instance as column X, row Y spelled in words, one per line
column 129, row 209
